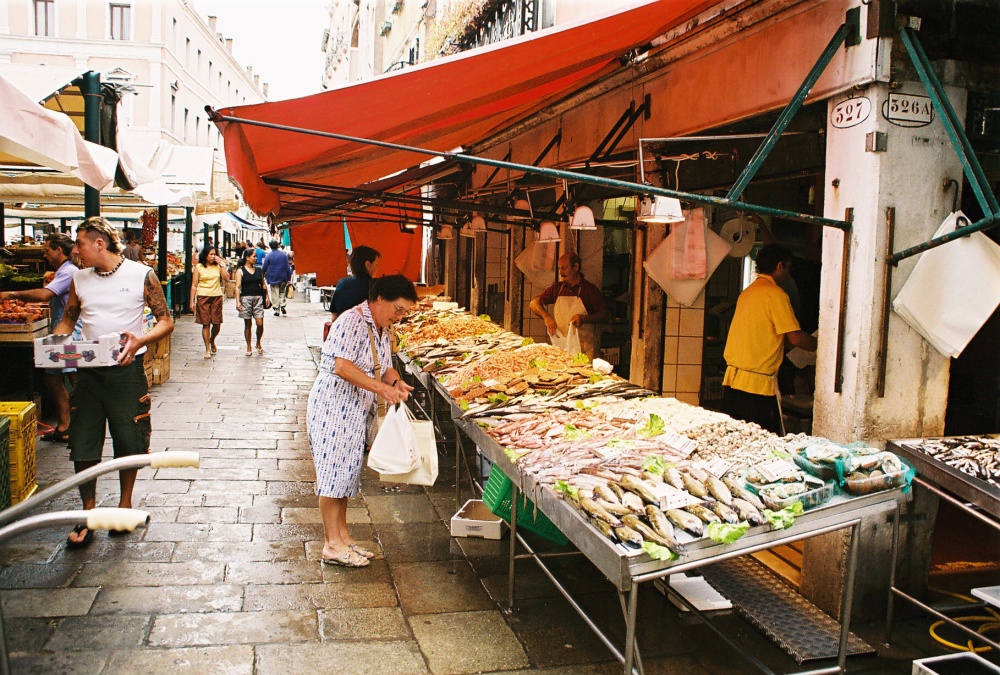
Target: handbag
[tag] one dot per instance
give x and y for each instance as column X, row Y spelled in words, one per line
column 395, row 447
column 290, row 292
column 426, row 443
column 267, row 299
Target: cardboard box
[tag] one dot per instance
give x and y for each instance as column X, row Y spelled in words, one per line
column 60, row 351
column 476, row 520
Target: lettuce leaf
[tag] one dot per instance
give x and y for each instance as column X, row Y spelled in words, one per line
column 657, row 552
column 485, row 317
column 654, row 426
column 623, row 443
column 463, row 404
column 585, row 405
column 785, row 518
column 497, row 398
column 573, row 433
column 724, row 533
column 595, row 378
column 513, row 454
column 537, row 363
column 654, row 464
column 527, row 341
column 567, row 489
column 580, row 359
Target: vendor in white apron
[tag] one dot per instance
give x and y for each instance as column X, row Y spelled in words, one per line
column 575, row 302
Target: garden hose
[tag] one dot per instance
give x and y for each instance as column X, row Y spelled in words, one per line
column 989, row 622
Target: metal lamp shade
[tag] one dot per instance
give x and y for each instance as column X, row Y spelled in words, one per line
column 446, row 232
column 548, row 233
column 477, row 224
column 583, row 219
column 660, row 210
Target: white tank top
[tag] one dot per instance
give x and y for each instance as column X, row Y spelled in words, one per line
column 112, row 304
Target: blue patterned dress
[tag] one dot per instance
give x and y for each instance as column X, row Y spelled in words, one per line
column 338, row 411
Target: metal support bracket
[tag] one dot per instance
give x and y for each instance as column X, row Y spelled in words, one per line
column 620, row 128
column 506, row 158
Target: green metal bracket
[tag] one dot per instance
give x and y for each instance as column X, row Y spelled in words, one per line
column 785, row 118
column 963, row 148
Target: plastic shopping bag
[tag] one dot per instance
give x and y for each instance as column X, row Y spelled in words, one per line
column 427, row 472
column 570, row 343
column 395, row 447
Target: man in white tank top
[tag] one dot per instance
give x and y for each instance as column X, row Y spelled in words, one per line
column 108, row 294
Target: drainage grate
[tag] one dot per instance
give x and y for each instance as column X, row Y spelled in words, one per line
column 797, row 626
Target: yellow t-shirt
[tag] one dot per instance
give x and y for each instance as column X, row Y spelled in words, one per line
column 755, row 346
column 209, row 280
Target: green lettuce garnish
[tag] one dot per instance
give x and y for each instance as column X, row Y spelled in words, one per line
column 595, row 378
column 654, row 464
column 477, row 379
column 497, row 398
column 484, row 425
column 485, row 317
column 466, row 356
column 623, row 443
column 440, row 363
column 463, row 404
column 467, row 384
column 573, row 433
column 580, row 359
column 724, row 533
column 567, row 489
column 783, row 519
column 527, row 341
column 654, row 426
column 657, row 552
column 513, row 454
column 537, row 363
column 585, row 405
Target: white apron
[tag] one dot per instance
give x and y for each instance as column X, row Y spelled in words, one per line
column 568, row 306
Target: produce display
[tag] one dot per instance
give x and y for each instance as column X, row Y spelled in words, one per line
column 17, row 311
column 175, row 265
column 976, row 456
column 651, row 474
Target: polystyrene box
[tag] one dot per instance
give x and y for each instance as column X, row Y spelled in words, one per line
column 476, row 520
column 955, row 664
column 57, row 351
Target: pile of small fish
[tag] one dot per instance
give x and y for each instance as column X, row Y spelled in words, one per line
column 505, row 364
column 444, row 325
column 977, row 456
column 626, row 508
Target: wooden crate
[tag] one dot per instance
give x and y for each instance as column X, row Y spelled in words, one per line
column 161, row 370
column 23, row 417
column 231, row 289
column 160, row 348
column 24, row 332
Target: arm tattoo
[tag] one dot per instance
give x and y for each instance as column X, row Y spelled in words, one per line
column 153, row 294
column 72, row 311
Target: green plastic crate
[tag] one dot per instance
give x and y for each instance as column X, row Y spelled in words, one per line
column 496, row 495
column 4, row 463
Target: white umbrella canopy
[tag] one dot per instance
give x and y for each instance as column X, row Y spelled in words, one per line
column 31, row 134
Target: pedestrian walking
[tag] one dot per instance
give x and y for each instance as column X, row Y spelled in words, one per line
column 210, row 275
column 356, row 367
column 277, row 273
column 108, row 295
column 250, row 298
column 352, row 290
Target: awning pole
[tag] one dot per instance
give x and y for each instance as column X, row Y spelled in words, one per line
column 599, row 181
column 90, row 87
column 188, row 253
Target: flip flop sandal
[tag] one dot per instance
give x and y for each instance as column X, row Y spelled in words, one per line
column 56, row 436
column 249, row 353
column 208, row 355
column 260, row 350
column 81, row 543
column 347, row 559
column 361, row 551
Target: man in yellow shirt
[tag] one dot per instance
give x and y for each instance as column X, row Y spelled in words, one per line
column 762, row 326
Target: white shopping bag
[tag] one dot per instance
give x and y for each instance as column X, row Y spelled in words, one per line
column 570, row 343
column 427, row 472
column 395, row 447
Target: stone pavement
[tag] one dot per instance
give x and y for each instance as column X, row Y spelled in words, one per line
column 227, row 579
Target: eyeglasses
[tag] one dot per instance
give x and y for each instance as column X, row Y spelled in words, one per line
column 400, row 311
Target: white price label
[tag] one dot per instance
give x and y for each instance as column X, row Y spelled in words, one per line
column 682, row 444
column 774, row 469
column 672, row 498
column 718, row 467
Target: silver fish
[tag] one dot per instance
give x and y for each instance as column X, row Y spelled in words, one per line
column 628, row 535
column 605, row 493
column 637, row 486
column 698, row 473
column 603, row 528
column 748, row 512
column 672, row 476
column 686, row 522
column 719, row 490
column 616, row 488
column 703, row 512
column 613, row 507
column 741, row 492
column 652, row 477
column 659, row 521
column 727, row 514
column 599, row 512
column 694, row 486
column 649, row 534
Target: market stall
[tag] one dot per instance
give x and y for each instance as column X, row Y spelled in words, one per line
column 645, row 487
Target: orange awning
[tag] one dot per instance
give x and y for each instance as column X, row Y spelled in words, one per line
column 440, row 105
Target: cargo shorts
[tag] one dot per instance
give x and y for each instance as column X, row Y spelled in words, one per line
column 115, row 397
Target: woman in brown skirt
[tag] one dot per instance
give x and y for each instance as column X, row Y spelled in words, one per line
column 206, row 296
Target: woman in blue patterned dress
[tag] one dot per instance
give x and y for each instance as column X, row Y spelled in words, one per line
column 342, row 401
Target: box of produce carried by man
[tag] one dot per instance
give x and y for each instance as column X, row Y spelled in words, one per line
column 61, row 351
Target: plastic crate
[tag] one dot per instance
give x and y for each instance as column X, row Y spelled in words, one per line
column 809, row 499
column 22, row 418
column 4, row 463
column 496, row 494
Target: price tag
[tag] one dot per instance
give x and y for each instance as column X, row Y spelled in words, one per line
column 718, row 467
column 682, row 444
column 774, row 469
column 628, row 416
column 489, row 384
column 672, row 498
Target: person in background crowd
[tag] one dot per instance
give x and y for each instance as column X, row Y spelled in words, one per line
column 58, row 248
column 238, row 250
column 261, row 252
column 207, row 291
column 575, row 301
column 250, row 293
column 277, row 273
column 352, row 290
column 762, row 326
column 356, row 367
column 108, row 295
column 132, row 250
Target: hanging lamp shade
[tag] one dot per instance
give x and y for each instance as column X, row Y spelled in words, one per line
column 660, row 210
column 522, row 205
column 477, row 224
column 583, row 219
column 446, row 232
column 548, row 233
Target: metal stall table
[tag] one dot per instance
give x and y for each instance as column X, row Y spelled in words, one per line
column 627, row 572
column 971, row 495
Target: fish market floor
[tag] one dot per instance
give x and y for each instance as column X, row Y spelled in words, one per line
column 227, row 579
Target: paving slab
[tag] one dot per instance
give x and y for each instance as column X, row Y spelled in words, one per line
column 52, row 575
column 351, row 658
column 226, row 552
column 435, row 587
column 401, row 509
column 259, row 514
column 363, row 623
column 198, row 532
column 467, row 642
column 273, row 572
column 231, row 660
column 168, row 599
column 208, row 514
column 377, row 571
column 85, row 633
column 64, row 663
column 47, row 602
column 222, row 628
column 356, row 594
column 417, row 542
column 26, row 634
column 125, row 573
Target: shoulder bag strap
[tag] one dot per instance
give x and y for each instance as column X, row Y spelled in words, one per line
column 382, row 406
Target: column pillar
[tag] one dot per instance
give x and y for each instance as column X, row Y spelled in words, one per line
column 907, row 180
column 188, row 251
column 649, row 312
column 90, row 87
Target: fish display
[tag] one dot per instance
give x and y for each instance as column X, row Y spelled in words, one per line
column 976, row 456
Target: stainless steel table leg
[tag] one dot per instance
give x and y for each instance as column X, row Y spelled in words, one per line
column 633, row 602
column 638, row 656
column 514, row 498
column 847, row 605
column 889, row 605
column 458, row 469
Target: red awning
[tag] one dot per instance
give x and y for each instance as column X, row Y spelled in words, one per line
column 440, row 105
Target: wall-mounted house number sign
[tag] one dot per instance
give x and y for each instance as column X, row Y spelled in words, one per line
column 850, row 112
column 908, row 110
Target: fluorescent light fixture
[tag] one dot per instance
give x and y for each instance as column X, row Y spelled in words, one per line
column 583, row 219
column 548, row 233
column 660, row 210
